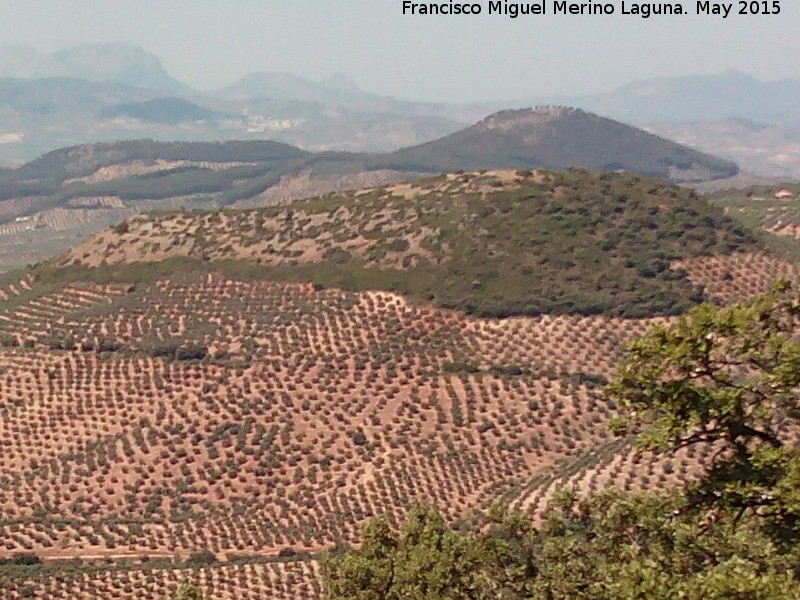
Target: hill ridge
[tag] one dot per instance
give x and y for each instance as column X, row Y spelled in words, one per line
column 496, row 242
column 47, row 199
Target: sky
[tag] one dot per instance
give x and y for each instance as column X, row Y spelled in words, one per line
column 457, row 58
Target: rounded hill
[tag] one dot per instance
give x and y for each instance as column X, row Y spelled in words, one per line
column 492, row 243
column 560, row 138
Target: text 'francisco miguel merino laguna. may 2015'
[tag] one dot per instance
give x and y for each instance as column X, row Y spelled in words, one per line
column 563, row 7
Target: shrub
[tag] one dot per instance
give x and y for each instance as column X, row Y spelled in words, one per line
column 201, row 558
column 8, row 341
column 162, row 348
column 105, row 344
column 399, row 245
column 358, row 437
column 460, row 367
column 191, row 352
column 26, row 559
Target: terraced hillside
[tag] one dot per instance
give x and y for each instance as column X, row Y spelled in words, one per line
column 252, row 418
column 178, row 413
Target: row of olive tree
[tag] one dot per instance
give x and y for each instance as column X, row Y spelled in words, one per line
column 722, row 376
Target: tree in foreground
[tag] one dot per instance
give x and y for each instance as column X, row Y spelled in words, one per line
column 424, row 560
column 727, row 377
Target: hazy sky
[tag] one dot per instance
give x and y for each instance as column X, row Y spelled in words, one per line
column 445, row 58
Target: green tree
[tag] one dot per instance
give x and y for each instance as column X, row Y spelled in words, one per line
column 608, row 546
column 727, row 377
column 425, row 560
column 620, row 546
column 188, row 591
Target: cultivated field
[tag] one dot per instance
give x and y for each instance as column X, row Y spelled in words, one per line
column 256, row 419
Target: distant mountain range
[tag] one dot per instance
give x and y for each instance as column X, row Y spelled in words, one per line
column 112, row 63
column 731, row 94
column 109, row 92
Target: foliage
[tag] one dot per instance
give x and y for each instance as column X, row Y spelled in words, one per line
column 25, row 559
column 188, row 591
column 616, row 545
column 728, row 377
column 201, row 558
column 611, row 546
column 425, row 560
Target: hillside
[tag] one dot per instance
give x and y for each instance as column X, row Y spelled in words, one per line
column 166, row 111
column 192, row 395
column 493, row 243
column 559, row 138
column 758, row 208
column 73, row 192
column 259, row 419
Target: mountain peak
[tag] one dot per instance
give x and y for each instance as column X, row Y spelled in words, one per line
column 560, row 137
column 526, row 117
column 116, row 62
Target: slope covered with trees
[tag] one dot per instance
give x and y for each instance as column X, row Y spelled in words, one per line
column 222, row 396
column 725, row 377
column 494, row 243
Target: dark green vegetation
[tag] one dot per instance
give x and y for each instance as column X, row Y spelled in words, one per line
column 571, row 242
column 581, row 243
column 723, row 376
column 558, row 138
column 170, row 111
